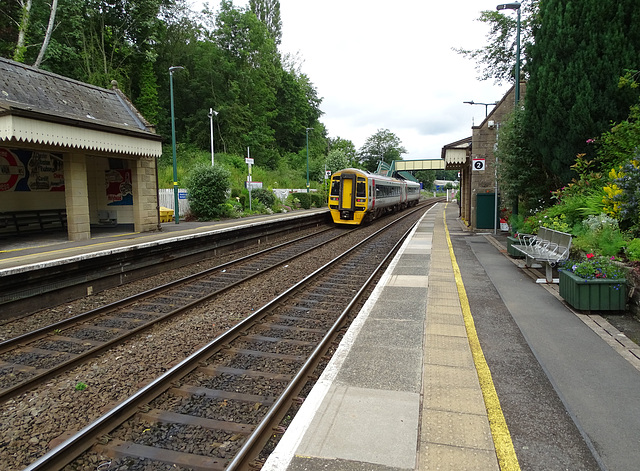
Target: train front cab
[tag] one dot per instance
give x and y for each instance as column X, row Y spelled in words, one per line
column 348, row 199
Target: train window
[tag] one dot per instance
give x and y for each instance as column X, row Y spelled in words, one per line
column 335, row 188
column 361, row 189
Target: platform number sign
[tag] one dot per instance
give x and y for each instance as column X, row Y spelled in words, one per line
column 478, row 164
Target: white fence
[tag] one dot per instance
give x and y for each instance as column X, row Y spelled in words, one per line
column 166, row 198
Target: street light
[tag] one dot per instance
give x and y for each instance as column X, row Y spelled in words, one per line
column 515, row 6
column 212, row 113
column 486, row 106
column 176, row 209
column 308, row 129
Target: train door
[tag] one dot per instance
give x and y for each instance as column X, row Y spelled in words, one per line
column 347, row 192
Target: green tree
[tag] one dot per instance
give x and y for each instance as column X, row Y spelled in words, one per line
column 581, row 49
column 147, row 102
column 337, row 160
column 249, row 65
column 496, row 60
column 383, row 146
column 347, row 147
column 426, row 177
column 208, row 187
column 522, row 177
column 268, row 12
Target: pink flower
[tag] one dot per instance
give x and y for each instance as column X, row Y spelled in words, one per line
column 589, row 255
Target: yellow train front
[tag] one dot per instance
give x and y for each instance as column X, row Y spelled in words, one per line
column 357, row 196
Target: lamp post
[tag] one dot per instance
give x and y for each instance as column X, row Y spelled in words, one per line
column 486, row 106
column 515, row 6
column 307, row 130
column 212, row 113
column 176, row 209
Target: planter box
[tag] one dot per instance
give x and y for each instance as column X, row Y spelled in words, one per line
column 511, row 241
column 593, row 295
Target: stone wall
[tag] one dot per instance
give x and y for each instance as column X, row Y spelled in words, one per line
column 483, row 146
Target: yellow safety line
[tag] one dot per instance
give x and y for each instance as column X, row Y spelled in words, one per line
column 70, row 248
column 507, row 459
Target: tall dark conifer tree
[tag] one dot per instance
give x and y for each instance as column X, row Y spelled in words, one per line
column 581, row 49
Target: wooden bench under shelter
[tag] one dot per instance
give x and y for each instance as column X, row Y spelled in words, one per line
column 548, row 247
column 18, row 222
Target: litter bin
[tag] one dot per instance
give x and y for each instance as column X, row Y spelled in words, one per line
column 486, row 211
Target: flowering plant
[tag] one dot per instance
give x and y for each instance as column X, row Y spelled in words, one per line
column 595, row 267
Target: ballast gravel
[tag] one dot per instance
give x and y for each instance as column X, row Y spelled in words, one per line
column 33, row 423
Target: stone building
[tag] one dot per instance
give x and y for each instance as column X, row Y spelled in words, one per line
column 474, row 158
column 73, row 154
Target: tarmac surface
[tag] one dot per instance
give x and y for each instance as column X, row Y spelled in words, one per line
column 458, row 361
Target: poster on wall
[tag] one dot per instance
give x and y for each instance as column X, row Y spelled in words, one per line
column 119, row 188
column 25, row 170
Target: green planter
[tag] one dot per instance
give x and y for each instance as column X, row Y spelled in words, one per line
column 511, row 241
column 593, row 295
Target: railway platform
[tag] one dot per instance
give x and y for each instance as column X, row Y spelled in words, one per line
column 460, row 361
column 42, row 249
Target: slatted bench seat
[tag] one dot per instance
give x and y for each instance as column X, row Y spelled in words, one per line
column 18, row 222
column 548, row 247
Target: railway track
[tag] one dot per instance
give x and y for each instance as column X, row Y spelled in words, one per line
column 33, row 358
column 218, row 408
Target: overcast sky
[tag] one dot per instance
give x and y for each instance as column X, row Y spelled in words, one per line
column 381, row 64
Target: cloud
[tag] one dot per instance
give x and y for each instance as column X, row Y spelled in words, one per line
column 390, row 65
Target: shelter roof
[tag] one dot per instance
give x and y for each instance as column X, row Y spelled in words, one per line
column 37, row 106
column 455, row 154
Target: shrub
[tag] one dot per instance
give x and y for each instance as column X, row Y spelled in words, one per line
column 600, row 234
column 266, row 197
column 305, row 200
column 208, row 188
column 633, row 250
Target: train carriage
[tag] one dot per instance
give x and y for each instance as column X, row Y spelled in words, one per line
column 357, row 196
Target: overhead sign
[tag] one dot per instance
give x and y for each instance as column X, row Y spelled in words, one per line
column 249, row 161
column 478, row 164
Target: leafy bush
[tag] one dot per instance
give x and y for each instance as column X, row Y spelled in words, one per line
column 632, row 250
column 266, row 197
column 305, row 200
column 208, row 188
column 600, row 234
column 627, row 197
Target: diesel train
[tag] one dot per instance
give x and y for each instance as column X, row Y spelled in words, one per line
column 358, row 196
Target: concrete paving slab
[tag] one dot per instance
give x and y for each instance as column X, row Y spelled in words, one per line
column 410, row 281
column 367, row 425
column 450, row 376
column 467, row 400
column 396, row 369
column 454, row 458
column 458, row 429
column 446, row 329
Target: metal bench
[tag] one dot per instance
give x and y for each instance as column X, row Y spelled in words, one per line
column 547, row 247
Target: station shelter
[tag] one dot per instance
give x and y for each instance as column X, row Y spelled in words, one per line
column 474, row 157
column 73, row 155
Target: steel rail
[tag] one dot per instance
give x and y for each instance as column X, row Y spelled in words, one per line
column 79, row 358
column 255, row 441
column 70, row 449
column 11, row 343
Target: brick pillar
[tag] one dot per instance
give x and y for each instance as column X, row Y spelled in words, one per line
column 76, row 197
column 145, row 195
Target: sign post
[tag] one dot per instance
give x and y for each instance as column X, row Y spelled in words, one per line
column 249, row 162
